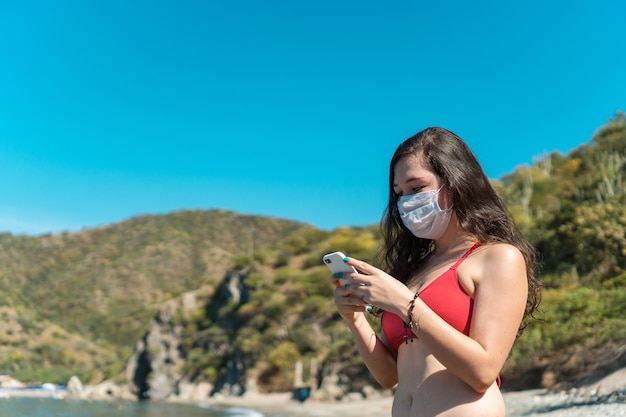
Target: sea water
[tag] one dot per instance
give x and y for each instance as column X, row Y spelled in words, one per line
column 43, row 407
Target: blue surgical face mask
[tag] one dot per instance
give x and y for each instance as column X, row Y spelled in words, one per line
column 422, row 215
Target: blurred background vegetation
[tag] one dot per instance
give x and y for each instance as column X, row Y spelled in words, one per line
column 76, row 303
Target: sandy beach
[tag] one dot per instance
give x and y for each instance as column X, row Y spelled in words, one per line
column 519, row 404
column 604, row 398
column 283, row 404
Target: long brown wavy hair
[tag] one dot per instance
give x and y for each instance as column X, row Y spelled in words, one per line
column 479, row 209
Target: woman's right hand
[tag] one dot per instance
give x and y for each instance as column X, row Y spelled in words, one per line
column 370, row 286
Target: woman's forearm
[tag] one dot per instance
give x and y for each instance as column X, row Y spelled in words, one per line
column 377, row 357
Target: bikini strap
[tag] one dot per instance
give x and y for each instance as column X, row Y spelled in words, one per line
column 465, row 255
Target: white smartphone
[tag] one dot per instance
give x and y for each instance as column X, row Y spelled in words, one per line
column 334, row 261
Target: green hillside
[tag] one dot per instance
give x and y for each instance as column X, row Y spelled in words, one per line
column 104, row 284
column 98, row 288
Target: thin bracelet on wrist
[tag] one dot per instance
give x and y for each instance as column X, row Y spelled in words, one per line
column 416, row 323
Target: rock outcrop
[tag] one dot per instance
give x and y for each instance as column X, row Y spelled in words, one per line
column 75, row 388
column 153, row 371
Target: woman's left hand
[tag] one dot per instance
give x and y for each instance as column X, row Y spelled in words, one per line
column 377, row 288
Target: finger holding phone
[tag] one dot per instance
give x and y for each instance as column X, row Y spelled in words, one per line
column 370, row 286
column 347, row 298
column 341, row 271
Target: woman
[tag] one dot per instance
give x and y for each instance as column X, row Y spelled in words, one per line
column 460, row 283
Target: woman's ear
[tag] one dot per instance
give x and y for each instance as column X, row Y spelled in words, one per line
column 448, row 198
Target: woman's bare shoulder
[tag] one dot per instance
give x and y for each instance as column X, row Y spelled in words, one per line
column 498, row 259
column 497, row 251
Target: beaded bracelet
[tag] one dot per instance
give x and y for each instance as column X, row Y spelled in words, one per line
column 411, row 307
column 409, row 324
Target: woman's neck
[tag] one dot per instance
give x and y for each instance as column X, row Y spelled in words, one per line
column 453, row 243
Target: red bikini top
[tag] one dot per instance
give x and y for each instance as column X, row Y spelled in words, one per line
column 445, row 297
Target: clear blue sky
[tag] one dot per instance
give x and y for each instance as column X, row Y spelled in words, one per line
column 111, row 109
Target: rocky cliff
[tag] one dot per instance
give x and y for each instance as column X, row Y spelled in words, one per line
column 156, row 369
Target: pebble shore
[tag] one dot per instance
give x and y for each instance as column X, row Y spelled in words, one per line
column 600, row 410
column 586, row 403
